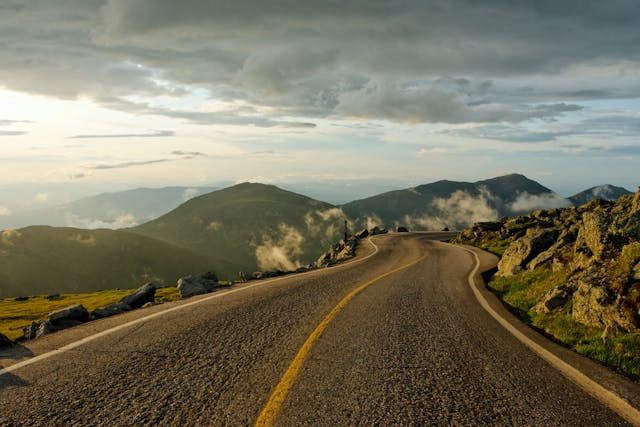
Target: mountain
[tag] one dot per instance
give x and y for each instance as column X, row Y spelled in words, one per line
column 50, row 260
column 454, row 204
column 250, row 226
column 604, row 192
column 107, row 210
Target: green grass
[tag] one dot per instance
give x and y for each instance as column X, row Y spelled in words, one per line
column 15, row 315
column 525, row 289
column 522, row 291
column 496, row 247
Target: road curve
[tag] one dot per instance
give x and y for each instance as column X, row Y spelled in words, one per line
column 411, row 348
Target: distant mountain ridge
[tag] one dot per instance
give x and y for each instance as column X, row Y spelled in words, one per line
column 454, row 204
column 108, row 210
column 604, row 192
column 245, row 227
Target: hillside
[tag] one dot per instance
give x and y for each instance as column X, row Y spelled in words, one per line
column 255, row 226
column 49, row 260
column 454, row 204
column 604, row 192
column 574, row 274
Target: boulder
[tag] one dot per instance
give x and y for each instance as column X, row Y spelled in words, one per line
column 525, row 249
column 189, row 286
column 377, row 230
column 144, row 294
column 74, row 313
column 110, row 310
column 636, row 272
column 39, row 329
column 593, row 305
column 594, row 232
column 362, row 233
column 556, row 297
column 5, row 342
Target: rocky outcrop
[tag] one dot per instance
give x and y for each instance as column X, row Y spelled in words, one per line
column 362, row 233
column 110, row 310
column 525, row 249
column 596, row 246
column 339, row 252
column 144, row 294
column 557, row 297
column 60, row 319
column 199, row 284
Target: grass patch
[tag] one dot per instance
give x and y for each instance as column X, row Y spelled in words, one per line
column 15, row 315
column 496, row 247
column 522, row 291
column 621, row 353
column 525, row 289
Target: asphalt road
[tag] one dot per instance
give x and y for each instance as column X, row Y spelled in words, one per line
column 413, row 348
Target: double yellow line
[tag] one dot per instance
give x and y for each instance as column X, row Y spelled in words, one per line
column 270, row 412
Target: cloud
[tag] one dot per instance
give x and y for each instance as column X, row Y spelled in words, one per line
column 190, row 193
column 188, row 154
column 121, row 221
column 409, row 62
column 11, row 132
column 280, row 253
column 460, row 210
column 4, row 211
column 526, row 202
column 124, row 165
column 156, row 134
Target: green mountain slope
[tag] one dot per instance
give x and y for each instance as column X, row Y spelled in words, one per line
column 45, row 260
column 454, row 204
column 254, row 226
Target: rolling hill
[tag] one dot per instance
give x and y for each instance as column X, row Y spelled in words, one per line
column 50, row 260
column 454, row 204
column 253, row 226
column 604, row 192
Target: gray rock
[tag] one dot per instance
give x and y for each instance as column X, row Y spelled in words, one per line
column 362, row 233
column 144, row 294
column 30, row 331
column 525, row 249
column 72, row 313
column 555, row 298
column 149, row 304
column 110, row 310
column 189, row 286
column 593, row 305
column 45, row 327
column 257, row 275
column 5, row 342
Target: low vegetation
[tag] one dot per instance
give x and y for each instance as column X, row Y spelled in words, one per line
column 524, row 290
column 17, row 313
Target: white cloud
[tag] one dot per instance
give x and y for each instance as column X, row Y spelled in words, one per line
column 280, row 253
column 4, row 211
column 526, row 202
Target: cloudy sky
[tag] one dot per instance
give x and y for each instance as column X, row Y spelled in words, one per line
column 114, row 94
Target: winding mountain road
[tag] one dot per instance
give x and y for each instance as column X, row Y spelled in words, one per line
column 395, row 337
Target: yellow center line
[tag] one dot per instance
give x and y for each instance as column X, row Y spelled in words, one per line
column 270, row 412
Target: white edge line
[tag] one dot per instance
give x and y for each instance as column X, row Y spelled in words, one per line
column 595, row 389
column 106, row 332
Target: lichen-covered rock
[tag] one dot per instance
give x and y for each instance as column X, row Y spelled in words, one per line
column 593, row 305
column 557, row 297
column 525, row 249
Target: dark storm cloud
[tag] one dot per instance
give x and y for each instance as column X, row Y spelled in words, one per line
column 451, row 61
column 157, row 134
